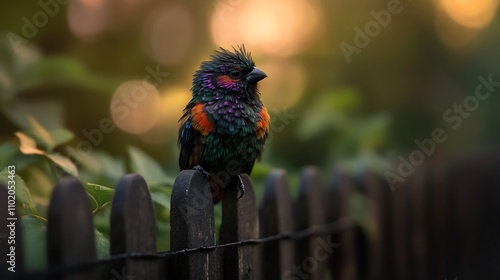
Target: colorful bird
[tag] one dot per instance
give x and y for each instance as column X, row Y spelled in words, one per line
column 225, row 125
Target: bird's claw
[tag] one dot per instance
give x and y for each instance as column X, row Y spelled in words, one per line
column 241, row 187
column 200, row 168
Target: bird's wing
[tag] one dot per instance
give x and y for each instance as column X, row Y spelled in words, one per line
column 195, row 125
column 188, row 140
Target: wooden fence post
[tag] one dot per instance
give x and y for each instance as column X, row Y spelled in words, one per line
column 333, row 204
column 133, row 228
column 419, row 226
column 193, row 225
column 276, row 218
column 70, row 229
column 341, row 190
column 309, row 212
column 380, row 238
column 10, row 231
column 401, row 243
column 474, row 193
column 240, row 221
column 437, row 216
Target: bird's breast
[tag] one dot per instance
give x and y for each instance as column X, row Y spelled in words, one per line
column 233, row 117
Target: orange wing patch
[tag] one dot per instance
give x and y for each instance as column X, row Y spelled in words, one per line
column 263, row 125
column 201, row 122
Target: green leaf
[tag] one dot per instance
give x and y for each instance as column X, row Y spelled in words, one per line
column 161, row 198
column 99, row 165
column 62, row 72
column 8, row 151
column 101, row 245
column 28, row 145
column 64, row 162
column 144, row 165
column 41, row 182
column 23, row 196
column 49, row 139
column 261, row 170
column 100, row 194
column 61, row 136
column 373, row 131
column 41, row 134
column 34, row 230
column 48, row 112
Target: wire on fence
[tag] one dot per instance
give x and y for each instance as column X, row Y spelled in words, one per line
column 331, row 228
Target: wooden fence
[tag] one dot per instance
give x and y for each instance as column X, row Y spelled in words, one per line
column 443, row 222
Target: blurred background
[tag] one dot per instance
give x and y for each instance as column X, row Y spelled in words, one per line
column 94, row 88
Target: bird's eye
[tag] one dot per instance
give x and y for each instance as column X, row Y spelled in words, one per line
column 235, row 73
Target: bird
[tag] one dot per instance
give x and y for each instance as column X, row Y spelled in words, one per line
column 225, row 125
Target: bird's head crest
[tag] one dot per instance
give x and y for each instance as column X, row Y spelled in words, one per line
column 232, row 71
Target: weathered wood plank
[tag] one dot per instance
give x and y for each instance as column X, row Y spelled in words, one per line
column 344, row 266
column 380, row 238
column 437, row 211
column 474, row 193
column 70, row 229
column 192, row 225
column 311, row 257
column 333, row 205
column 133, row 227
column 240, row 221
column 276, row 218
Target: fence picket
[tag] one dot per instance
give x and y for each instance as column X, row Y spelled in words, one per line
column 438, row 213
column 336, row 206
column 133, row 227
column 70, row 229
column 193, row 225
column 276, row 218
column 240, row 221
column 351, row 252
column 401, row 243
column 309, row 212
column 472, row 251
column 381, row 235
column 419, row 226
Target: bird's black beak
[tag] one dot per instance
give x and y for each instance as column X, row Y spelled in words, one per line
column 256, row 75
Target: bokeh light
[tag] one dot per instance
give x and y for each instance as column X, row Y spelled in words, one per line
column 280, row 27
column 452, row 34
column 135, row 106
column 173, row 101
column 87, row 18
column 470, row 13
column 168, row 34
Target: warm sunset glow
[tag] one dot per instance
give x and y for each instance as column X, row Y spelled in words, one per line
column 279, row 27
column 470, row 13
column 135, row 106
